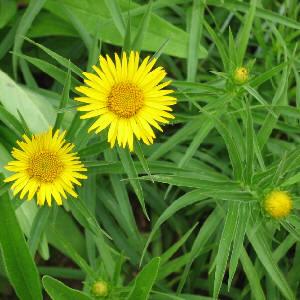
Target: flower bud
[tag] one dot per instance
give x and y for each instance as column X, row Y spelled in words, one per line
column 100, row 288
column 278, row 204
column 240, row 75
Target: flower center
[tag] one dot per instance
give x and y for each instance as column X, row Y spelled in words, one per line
column 45, row 166
column 125, row 99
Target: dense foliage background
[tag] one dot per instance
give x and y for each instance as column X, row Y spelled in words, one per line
column 202, row 182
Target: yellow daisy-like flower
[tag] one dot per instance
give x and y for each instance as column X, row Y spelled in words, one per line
column 127, row 97
column 45, row 166
column 278, row 204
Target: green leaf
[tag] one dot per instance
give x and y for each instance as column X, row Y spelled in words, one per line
column 78, row 25
column 31, row 12
column 50, row 69
column 260, row 79
column 265, row 256
column 14, row 98
column 145, row 280
column 130, row 170
column 180, row 136
column 99, row 17
column 88, row 220
column 220, row 45
column 61, row 60
column 225, row 245
column 71, row 252
column 205, row 232
column 93, row 149
column 20, row 267
column 194, row 39
column 143, row 27
column 8, row 8
column 139, row 152
column 59, row 291
column 65, row 225
column 242, row 216
column 260, row 12
column 174, row 248
column 8, row 40
column 259, row 98
column 37, row 229
column 127, row 37
column 231, row 144
column 232, row 48
column 11, row 121
column 244, row 33
column 173, row 266
column 64, row 100
column 123, row 204
column 249, row 146
column 292, row 180
column 203, row 131
column 94, row 52
column 184, row 201
column 253, row 278
column 116, row 14
column 270, row 120
column 27, row 74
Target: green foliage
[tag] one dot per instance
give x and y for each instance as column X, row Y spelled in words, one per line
column 181, row 219
column 19, row 265
column 59, row 291
column 144, row 281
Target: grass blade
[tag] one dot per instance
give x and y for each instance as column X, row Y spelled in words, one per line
column 225, row 246
column 60, row 59
column 37, row 229
column 184, row 201
column 145, row 280
column 64, row 100
column 117, row 16
column 244, row 33
column 242, row 217
column 139, row 37
column 252, row 276
column 31, row 12
column 132, row 174
column 19, row 264
column 59, row 291
column 194, row 39
column 265, row 256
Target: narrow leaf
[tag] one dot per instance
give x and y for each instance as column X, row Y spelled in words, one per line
column 130, row 169
column 64, row 100
column 19, row 264
column 145, row 280
column 59, row 291
column 224, row 247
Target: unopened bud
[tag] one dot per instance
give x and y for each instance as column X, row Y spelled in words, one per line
column 241, row 75
column 100, row 288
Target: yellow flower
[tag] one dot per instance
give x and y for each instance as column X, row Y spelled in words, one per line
column 45, row 166
column 278, row 204
column 127, row 97
column 100, row 289
column 241, row 75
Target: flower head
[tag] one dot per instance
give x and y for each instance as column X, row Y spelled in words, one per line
column 241, row 75
column 278, row 204
column 45, row 166
column 100, row 288
column 127, row 97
